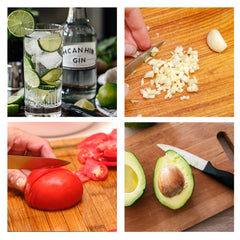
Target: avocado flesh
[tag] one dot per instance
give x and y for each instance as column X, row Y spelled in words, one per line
column 135, row 181
column 173, row 160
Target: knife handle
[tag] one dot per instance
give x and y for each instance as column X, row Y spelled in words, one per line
column 224, row 177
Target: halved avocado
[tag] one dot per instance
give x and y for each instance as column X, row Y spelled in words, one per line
column 135, row 181
column 173, row 180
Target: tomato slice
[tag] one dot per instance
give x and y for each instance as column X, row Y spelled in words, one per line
column 113, row 134
column 89, row 153
column 109, row 163
column 83, row 178
column 110, row 153
column 95, row 170
column 93, row 139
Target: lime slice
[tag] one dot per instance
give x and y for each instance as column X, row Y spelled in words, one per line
column 38, row 95
column 12, row 109
column 49, row 85
column 50, row 43
column 20, row 92
column 18, row 21
column 14, row 99
column 27, row 62
column 52, row 75
column 31, row 77
column 84, row 103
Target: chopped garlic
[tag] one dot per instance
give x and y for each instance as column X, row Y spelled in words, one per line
column 133, row 72
column 154, row 51
column 134, row 101
column 136, row 54
column 184, row 98
column 147, row 59
column 149, row 74
column 172, row 75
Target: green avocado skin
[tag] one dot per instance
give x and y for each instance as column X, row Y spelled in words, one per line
column 179, row 201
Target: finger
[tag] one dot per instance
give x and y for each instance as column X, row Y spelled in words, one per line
column 22, row 143
column 130, row 44
column 17, row 178
column 135, row 22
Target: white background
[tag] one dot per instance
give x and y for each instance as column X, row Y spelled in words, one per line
column 120, row 4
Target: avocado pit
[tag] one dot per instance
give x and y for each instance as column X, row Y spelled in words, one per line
column 170, row 181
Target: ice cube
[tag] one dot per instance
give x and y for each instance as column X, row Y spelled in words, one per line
column 50, row 60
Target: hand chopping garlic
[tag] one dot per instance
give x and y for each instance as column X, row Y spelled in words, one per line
column 215, row 41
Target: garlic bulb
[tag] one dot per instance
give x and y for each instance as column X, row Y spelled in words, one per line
column 215, row 41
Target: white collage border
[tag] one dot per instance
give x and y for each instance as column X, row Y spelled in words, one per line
column 121, row 4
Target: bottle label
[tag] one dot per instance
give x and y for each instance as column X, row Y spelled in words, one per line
column 79, row 56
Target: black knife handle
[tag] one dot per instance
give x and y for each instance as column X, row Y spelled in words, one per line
column 224, row 177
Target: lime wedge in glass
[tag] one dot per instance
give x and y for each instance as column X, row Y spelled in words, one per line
column 12, row 109
column 31, row 77
column 14, row 99
column 52, row 75
column 50, row 43
column 38, row 95
column 84, row 103
column 27, row 62
column 18, row 21
column 48, row 85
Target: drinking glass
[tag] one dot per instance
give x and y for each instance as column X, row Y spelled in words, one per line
column 43, row 70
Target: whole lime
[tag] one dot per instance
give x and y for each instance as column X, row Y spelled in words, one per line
column 107, row 95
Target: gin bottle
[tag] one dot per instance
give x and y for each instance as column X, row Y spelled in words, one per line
column 79, row 57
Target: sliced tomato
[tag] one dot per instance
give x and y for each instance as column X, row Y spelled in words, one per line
column 113, row 134
column 89, row 153
column 83, row 178
column 95, row 170
column 110, row 153
column 109, row 163
column 93, row 139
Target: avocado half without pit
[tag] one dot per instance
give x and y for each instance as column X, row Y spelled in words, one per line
column 173, row 180
column 135, row 181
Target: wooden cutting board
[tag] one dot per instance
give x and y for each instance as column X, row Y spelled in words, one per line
column 188, row 27
column 97, row 211
column 209, row 197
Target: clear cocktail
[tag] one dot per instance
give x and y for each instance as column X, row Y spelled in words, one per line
column 43, row 70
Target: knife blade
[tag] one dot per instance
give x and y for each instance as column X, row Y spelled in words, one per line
column 135, row 63
column 205, row 166
column 28, row 162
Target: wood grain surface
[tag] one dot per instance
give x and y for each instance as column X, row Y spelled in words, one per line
column 188, row 27
column 209, row 197
column 97, row 211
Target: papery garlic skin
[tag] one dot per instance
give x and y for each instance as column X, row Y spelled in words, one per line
column 215, row 41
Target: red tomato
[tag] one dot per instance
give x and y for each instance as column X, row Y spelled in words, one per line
column 107, row 162
column 83, row 178
column 89, row 153
column 53, row 189
column 95, row 170
column 113, row 134
column 93, row 139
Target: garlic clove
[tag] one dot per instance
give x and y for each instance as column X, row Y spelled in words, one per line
column 215, row 41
